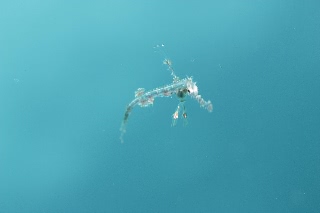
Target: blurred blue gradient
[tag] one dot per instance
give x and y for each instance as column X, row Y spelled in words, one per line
column 69, row 68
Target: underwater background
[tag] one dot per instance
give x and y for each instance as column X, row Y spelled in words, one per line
column 68, row 69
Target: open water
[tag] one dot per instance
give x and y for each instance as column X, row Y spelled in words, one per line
column 68, row 69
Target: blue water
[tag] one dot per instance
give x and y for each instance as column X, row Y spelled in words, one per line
column 69, row 68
